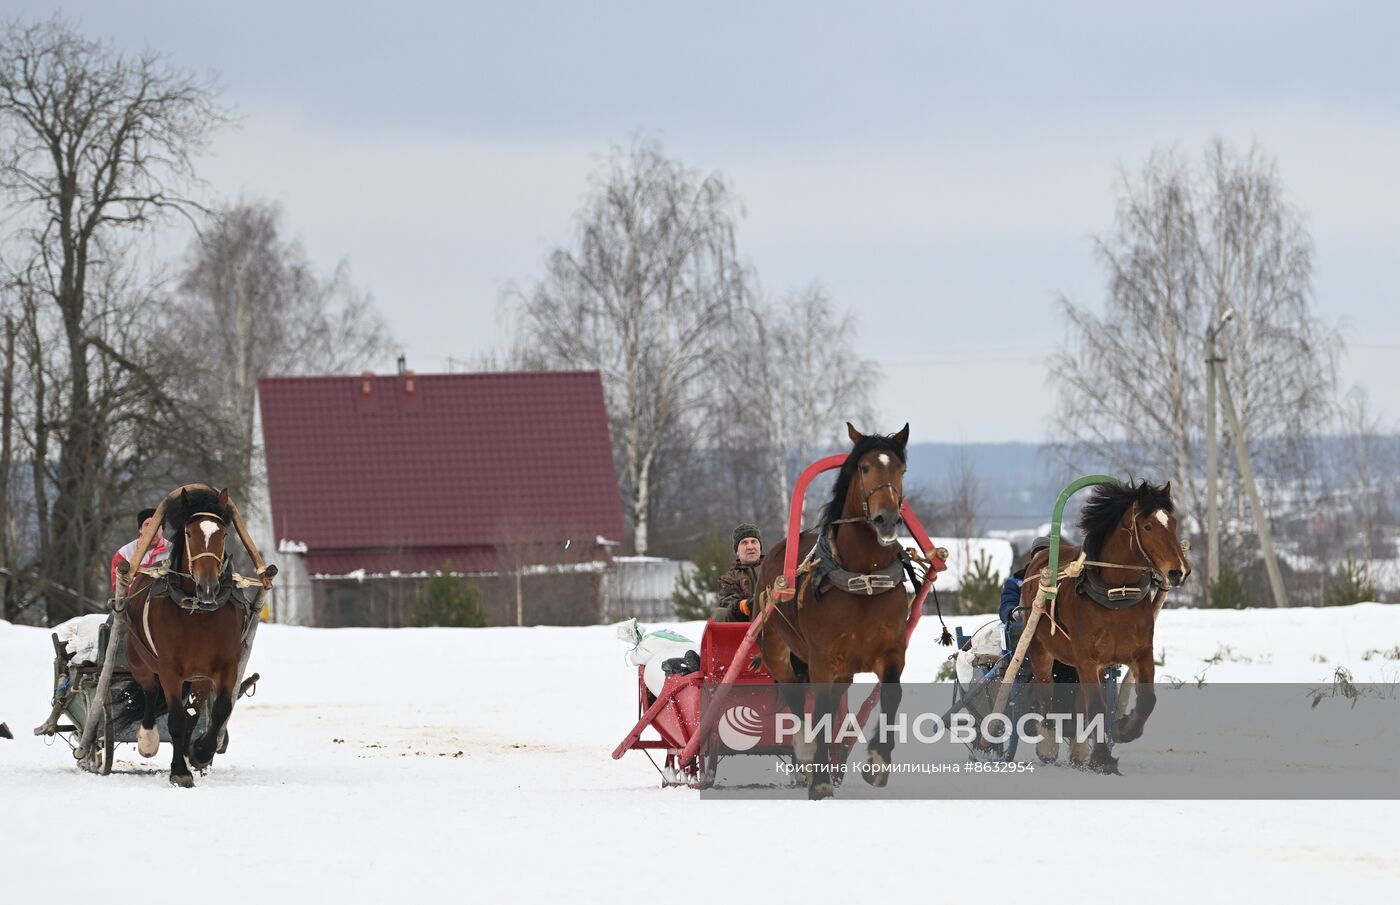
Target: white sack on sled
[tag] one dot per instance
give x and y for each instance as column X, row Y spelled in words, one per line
column 80, row 636
column 986, row 645
column 987, row 641
column 651, row 649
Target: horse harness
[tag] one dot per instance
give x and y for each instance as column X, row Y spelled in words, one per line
column 1117, row 598
column 824, row 570
column 1089, row 584
column 166, row 581
column 825, row 566
column 1120, row 598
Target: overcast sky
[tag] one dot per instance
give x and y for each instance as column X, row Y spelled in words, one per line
column 942, row 165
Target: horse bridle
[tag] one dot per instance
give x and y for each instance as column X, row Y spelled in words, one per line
column 191, row 560
column 1183, row 547
column 865, row 500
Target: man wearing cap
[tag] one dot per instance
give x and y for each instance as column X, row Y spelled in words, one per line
column 1011, row 591
column 159, row 551
column 737, row 586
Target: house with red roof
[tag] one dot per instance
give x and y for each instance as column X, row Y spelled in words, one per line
column 377, row 482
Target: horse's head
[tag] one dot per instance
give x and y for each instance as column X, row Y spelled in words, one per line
column 1155, row 532
column 873, row 478
column 1141, row 516
column 205, row 526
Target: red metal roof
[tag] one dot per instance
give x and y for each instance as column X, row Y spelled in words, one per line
column 464, row 463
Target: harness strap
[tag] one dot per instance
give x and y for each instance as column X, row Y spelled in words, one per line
column 1088, row 584
column 146, row 626
column 165, row 583
column 142, row 639
column 829, row 572
column 1116, row 598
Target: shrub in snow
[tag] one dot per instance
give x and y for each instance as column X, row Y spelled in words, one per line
column 980, row 591
column 1227, row 592
column 696, row 589
column 450, row 602
column 1352, row 584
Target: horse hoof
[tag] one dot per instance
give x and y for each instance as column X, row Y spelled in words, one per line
column 147, row 742
column 185, row 781
column 1122, row 733
column 1108, row 766
column 878, row 778
column 879, row 773
column 819, row 790
column 1103, row 764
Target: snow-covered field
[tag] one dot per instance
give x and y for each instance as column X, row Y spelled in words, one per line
column 473, row 765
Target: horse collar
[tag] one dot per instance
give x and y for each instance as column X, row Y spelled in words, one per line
column 1116, row 598
column 829, row 571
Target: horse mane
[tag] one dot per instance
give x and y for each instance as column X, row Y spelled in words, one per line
column 868, row 443
column 177, row 516
column 1107, row 506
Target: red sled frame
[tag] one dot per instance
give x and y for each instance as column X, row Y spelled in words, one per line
column 680, row 714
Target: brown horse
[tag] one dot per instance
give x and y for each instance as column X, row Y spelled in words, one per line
column 849, row 613
column 1106, row 617
column 186, row 635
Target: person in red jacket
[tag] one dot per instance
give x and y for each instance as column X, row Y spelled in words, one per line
column 159, row 551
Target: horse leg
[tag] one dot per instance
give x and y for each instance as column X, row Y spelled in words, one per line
column 1088, row 751
column 1042, row 666
column 178, row 721
column 1130, row 727
column 791, row 677
column 880, row 751
column 827, row 696
column 220, row 698
column 147, row 738
column 1089, row 684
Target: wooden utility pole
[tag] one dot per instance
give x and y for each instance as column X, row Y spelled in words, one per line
column 1212, row 468
column 1247, row 478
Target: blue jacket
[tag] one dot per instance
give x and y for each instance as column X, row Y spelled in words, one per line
column 1010, row 597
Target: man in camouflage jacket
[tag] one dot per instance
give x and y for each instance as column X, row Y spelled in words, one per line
column 738, row 586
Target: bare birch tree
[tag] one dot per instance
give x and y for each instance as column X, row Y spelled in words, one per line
column 789, row 378
column 963, row 502
column 93, row 146
column 1367, row 465
column 251, row 305
column 134, row 414
column 639, row 296
column 1188, row 245
column 823, row 382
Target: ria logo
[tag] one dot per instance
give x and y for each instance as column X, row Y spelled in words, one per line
column 740, row 728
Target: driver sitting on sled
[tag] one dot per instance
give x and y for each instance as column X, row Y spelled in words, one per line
column 160, row 550
column 736, row 587
column 1011, row 601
